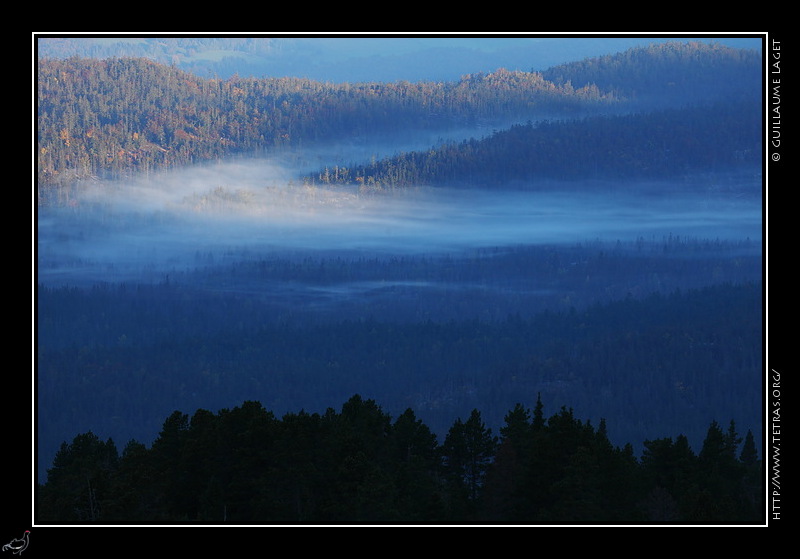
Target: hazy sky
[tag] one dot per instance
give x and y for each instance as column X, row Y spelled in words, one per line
column 391, row 57
column 444, row 58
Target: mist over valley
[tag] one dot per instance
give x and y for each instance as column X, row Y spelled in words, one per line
column 190, row 225
column 252, row 210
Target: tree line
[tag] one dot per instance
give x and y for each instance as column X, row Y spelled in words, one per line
column 359, row 465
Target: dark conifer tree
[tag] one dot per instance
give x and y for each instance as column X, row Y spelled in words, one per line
column 79, row 486
column 167, row 454
column 753, row 480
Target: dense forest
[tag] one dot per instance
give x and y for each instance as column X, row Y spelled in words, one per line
column 465, row 253
column 360, row 465
column 116, row 358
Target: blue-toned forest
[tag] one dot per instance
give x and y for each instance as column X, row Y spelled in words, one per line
column 514, row 298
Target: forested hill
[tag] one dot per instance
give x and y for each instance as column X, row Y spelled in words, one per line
column 115, row 117
column 656, row 145
column 683, row 72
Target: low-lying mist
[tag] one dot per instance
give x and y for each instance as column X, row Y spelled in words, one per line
column 141, row 230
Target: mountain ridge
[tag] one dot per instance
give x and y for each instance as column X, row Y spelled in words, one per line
column 114, row 118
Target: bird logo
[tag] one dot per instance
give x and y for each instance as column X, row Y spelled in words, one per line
column 17, row 546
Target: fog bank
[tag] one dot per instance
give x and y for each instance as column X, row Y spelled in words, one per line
column 146, row 228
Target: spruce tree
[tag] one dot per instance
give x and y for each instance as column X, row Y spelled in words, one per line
column 79, row 485
column 749, row 454
column 468, row 451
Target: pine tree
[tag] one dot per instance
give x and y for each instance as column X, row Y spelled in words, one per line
column 749, row 454
column 720, row 474
column 79, row 487
column 469, row 449
column 753, row 481
column 167, row 454
column 416, row 465
column 538, row 414
column 517, row 429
